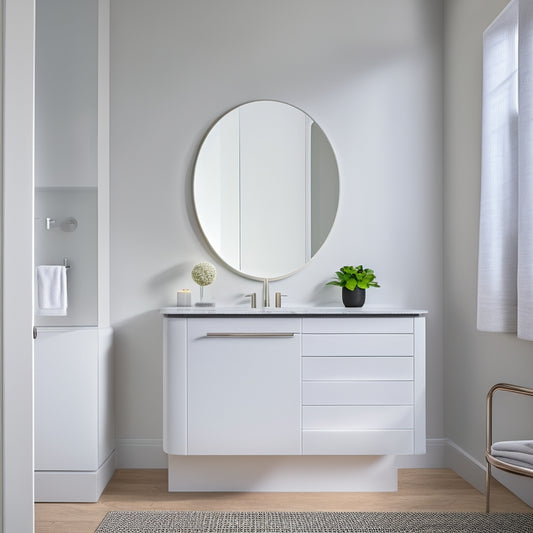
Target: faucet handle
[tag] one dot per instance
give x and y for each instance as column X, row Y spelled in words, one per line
column 278, row 298
column 253, row 299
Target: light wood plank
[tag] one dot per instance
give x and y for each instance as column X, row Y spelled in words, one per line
column 139, row 490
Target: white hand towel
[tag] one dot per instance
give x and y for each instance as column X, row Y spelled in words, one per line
column 519, row 452
column 52, row 290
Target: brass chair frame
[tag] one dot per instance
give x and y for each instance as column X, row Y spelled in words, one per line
column 491, row 460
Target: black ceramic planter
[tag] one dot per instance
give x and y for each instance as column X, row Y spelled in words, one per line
column 355, row 298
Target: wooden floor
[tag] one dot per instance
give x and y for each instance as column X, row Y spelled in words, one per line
column 137, row 490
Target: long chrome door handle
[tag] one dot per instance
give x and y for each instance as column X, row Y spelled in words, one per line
column 250, row 335
column 34, row 332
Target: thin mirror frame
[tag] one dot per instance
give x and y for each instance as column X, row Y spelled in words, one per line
column 207, row 241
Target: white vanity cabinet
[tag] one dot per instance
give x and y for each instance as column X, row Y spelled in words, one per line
column 291, row 382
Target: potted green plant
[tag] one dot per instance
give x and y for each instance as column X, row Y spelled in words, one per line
column 354, row 282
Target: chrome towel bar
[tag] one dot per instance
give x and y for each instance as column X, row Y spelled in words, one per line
column 251, row 335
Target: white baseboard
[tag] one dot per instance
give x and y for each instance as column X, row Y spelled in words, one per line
column 471, row 470
column 518, row 485
column 141, row 453
column 68, row 486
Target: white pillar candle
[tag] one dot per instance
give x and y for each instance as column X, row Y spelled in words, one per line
column 184, row 298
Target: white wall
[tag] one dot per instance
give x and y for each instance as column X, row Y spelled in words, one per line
column 66, row 149
column 474, row 360
column 369, row 73
column 79, row 247
column 66, row 104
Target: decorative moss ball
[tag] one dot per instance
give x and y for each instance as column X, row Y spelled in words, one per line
column 204, row 274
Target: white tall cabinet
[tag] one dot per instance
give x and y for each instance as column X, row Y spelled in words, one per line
column 291, row 383
column 74, row 421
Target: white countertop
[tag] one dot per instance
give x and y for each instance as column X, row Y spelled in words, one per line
column 294, row 311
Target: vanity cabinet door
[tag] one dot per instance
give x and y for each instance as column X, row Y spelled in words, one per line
column 244, row 392
column 66, row 400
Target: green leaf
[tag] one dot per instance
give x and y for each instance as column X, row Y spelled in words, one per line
column 352, row 277
column 351, row 284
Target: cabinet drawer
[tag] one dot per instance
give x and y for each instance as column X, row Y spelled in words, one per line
column 358, row 325
column 358, row 417
column 361, row 368
column 200, row 327
column 358, row 344
column 358, row 442
column 357, row 393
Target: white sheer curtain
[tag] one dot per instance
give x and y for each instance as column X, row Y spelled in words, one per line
column 505, row 268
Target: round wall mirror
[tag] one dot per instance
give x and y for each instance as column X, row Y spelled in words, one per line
column 266, row 189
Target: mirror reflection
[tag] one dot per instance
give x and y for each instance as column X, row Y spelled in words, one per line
column 266, row 189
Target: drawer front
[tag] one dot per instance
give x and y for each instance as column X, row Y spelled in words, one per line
column 345, row 368
column 357, row 393
column 397, row 344
column 358, row 325
column 358, row 442
column 358, row 417
column 200, row 327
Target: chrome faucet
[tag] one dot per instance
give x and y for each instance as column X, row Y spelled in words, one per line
column 278, row 298
column 253, row 299
column 266, row 293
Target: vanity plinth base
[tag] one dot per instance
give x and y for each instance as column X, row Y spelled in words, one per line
column 282, row 473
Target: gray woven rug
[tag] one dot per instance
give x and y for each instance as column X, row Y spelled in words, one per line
column 299, row 522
